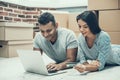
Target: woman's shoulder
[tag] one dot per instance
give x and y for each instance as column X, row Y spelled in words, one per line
column 103, row 37
column 103, row 34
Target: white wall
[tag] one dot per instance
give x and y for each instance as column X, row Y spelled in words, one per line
column 50, row 3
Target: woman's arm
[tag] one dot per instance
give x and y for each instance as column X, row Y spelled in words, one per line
column 92, row 66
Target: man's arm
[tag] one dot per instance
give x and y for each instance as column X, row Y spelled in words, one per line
column 38, row 49
column 71, row 57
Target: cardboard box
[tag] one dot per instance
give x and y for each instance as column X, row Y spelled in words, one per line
column 115, row 37
column 16, row 31
column 109, row 20
column 61, row 17
column 119, row 4
column 103, row 4
column 8, row 48
column 72, row 22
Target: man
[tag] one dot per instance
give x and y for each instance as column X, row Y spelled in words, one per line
column 60, row 44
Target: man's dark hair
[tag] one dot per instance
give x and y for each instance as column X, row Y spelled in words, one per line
column 91, row 19
column 45, row 18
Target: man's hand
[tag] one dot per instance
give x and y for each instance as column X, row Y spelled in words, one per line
column 54, row 66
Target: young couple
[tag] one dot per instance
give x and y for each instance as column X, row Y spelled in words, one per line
column 61, row 45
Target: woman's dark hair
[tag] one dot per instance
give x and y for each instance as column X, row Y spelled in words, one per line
column 91, row 19
column 46, row 18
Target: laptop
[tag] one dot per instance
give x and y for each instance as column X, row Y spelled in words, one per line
column 33, row 62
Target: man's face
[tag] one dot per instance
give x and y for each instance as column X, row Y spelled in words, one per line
column 48, row 31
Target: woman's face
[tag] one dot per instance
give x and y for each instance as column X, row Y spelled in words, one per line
column 84, row 28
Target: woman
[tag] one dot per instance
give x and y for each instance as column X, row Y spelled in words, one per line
column 95, row 49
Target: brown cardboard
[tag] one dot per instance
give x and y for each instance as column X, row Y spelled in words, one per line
column 16, row 31
column 119, row 4
column 72, row 24
column 102, row 4
column 115, row 37
column 61, row 17
column 8, row 48
column 109, row 20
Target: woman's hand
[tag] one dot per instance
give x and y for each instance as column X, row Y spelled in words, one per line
column 95, row 63
column 92, row 65
column 80, row 67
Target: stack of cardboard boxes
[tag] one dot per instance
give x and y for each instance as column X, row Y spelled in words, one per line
column 15, row 36
column 109, row 17
column 19, row 35
column 72, row 23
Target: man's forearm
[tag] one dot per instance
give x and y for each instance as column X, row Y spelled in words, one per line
column 64, row 64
